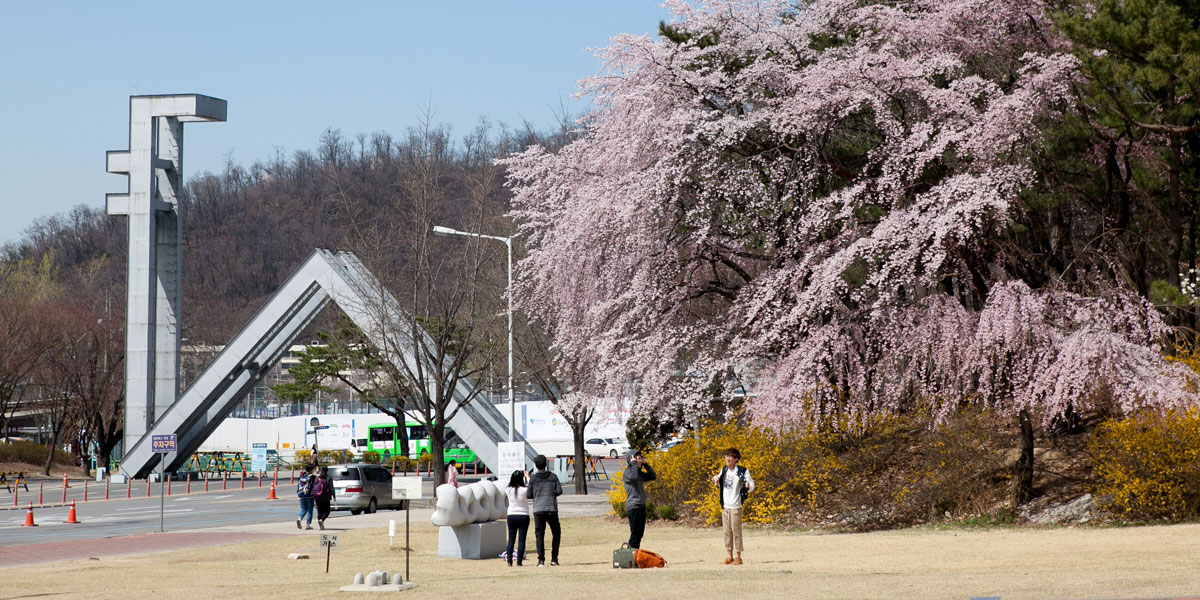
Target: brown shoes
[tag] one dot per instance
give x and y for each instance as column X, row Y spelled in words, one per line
column 728, row 561
column 737, row 561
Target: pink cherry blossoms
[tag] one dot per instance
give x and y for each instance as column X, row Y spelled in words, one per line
column 806, row 200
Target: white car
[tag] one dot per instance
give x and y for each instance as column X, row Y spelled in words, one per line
column 612, row 447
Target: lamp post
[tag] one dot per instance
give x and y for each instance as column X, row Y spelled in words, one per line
column 512, row 403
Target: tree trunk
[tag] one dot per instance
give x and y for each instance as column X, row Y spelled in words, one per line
column 1174, row 218
column 436, row 454
column 1024, row 470
column 54, row 431
column 580, row 459
column 104, row 448
column 402, row 434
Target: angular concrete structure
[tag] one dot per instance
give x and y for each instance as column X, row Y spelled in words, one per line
column 324, row 278
column 153, row 405
column 154, row 165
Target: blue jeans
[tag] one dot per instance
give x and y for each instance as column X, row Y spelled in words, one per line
column 518, row 526
column 306, row 508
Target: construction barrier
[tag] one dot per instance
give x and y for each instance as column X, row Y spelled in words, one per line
column 13, row 479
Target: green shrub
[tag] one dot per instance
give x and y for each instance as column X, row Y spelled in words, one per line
column 887, row 471
column 32, row 454
column 791, row 470
column 667, row 512
column 372, row 457
column 651, row 511
column 617, row 501
column 1147, row 466
column 331, row 457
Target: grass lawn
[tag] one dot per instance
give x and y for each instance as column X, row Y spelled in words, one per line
column 1131, row 562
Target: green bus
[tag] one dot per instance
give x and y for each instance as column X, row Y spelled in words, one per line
column 382, row 438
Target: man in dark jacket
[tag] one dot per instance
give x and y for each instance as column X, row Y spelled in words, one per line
column 544, row 489
column 637, row 473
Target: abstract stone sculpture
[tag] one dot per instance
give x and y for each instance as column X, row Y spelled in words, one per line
column 478, row 502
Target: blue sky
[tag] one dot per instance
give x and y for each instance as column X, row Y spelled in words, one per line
column 289, row 70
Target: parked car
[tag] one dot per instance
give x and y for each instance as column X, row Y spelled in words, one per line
column 611, row 447
column 667, row 445
column 360, row 487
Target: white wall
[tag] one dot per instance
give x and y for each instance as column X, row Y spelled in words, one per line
column 542, row 422
column 288, row 434
column 539, row 422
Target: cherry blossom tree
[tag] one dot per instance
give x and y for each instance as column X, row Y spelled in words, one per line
column 812, row 200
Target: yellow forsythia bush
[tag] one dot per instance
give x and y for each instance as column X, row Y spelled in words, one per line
column 790, row 469
column 1147, row 466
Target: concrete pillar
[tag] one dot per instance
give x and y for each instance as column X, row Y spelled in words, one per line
column 154, row 166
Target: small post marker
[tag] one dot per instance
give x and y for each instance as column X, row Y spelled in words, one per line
column 328, row 540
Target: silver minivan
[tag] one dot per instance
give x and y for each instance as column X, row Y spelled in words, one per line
column 362, row 487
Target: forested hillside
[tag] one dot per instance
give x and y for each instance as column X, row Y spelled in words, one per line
column 245, row 229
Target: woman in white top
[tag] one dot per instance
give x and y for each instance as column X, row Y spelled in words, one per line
column 518, row 516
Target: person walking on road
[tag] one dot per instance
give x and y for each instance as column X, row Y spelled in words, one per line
column 734, row 483
column 322, row 493
column 304, row 492
column 518, row 516
column 544, row 489
column 311, row 463
column 637, row 473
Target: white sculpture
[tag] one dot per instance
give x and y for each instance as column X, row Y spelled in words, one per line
column 475, row 503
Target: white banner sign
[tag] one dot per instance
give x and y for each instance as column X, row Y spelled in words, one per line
column 408, row 488
column 512, row 458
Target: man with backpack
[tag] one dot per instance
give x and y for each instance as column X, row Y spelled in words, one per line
column 734, row 483
column 304, row 492
column 322, row 493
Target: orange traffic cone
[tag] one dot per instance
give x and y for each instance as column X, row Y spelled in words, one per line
column 29, row 517
column 271, row 496
column 65, row 484
column 71, row 514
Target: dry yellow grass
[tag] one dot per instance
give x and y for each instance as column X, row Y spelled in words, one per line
column 1136, row 562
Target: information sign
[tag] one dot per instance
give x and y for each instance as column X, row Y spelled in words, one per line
column 258, row 458
column 406, row 488
column 512, row 458
column 328, row 539
column 163, row 443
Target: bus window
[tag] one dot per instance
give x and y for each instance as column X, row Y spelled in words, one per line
column 417, row 432
column 382, row 434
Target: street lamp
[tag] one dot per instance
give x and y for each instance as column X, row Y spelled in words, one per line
column 512, row 403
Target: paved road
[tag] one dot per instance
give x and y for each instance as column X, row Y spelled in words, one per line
column 233, row 508
column 127, row 517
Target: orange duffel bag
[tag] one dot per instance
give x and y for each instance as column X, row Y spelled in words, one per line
column 646, row 559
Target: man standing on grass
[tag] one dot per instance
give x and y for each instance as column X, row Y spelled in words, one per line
column 637, row 473
column 734, row 483
column 544, row 489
